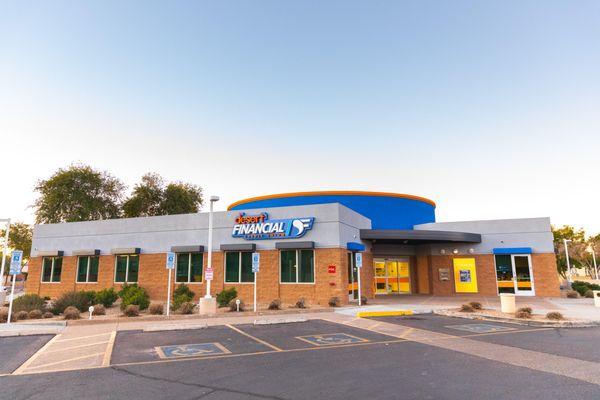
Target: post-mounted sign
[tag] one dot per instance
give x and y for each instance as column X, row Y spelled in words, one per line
column 15, row 262
column 170, row 260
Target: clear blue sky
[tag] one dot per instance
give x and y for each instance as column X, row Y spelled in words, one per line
column 492, row 109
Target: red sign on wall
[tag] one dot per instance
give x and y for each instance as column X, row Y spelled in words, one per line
column 331, row 269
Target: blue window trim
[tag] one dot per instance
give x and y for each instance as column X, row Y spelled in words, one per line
column 512, row 250
column 355, row 246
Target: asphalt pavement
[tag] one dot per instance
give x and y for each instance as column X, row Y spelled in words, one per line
column 15, row 350
column 316, row 359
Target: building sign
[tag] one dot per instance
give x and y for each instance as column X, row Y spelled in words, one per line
column 465, row 275
column 331, row 269
column 256, row 227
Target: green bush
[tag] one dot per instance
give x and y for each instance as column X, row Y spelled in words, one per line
column 107, row 297
column 29, row 302
column 182, row 294
column 225, row 297
column 91, row 295
column 134, row 295
column 79, row 300
column 582, row 287
column 589, row 294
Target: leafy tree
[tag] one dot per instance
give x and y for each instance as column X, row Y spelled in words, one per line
column 19, row 238
column 78, row 193
column 570, row 233
column 151, row 197
column 146, row 197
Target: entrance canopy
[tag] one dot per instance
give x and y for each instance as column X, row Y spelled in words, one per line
column 393, row 236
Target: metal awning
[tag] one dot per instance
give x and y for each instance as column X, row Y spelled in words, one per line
column 418, row 237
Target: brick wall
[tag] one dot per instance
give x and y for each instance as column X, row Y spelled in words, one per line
column 153, row 276
column 545, row 278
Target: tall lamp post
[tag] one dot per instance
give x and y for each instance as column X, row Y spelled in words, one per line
column 4, row 253
column 569, row 277
column 208, row 304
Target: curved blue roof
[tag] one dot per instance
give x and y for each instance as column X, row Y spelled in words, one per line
column 385, row 210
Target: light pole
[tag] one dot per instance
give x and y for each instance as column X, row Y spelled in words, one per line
column 569, row 277
column 4, row 252
column 208, row 304
column 591, row 250
column 213, row 200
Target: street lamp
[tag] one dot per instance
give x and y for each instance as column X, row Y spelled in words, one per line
column 208, row 304
column 4, row 253
column 569, row 277
column 213, row 200
column 591, row 250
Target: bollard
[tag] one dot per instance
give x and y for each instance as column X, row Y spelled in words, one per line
column 596, row 298
column 91, row 310
column 507, row 303
column 237, row 304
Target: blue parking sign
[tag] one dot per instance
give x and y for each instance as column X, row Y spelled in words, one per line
column 170, row 260
column 15, row 262
column 255, row 262
column 358, row 260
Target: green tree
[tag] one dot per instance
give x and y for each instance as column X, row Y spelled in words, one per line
column 151, row 197
column 146, row 197
column 568, row 232
column 78, row 193
column 19, row 238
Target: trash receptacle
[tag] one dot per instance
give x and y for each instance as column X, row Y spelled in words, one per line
column 596, row 298
column 507, row 303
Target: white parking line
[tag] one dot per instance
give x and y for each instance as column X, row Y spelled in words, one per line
column 109, row 349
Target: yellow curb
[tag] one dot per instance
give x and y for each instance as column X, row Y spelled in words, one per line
column 395, row 313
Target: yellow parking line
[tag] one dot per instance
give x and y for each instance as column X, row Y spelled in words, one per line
column 109, row 349
column 76, row 347
column 255, row 338
column 66, row 361
column 27, row 363
column 83, row 337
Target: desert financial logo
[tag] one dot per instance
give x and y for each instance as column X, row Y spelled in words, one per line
column 256, row 227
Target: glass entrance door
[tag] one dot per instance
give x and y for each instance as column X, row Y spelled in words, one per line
column 352, row 278
column 513, row 274
column 392, row 276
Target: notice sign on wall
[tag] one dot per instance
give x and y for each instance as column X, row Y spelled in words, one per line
column 465, row 276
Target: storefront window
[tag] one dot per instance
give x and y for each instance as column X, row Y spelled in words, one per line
column 51, row 269
column 127, row 268
column 87, row 269
column 297, row 266
column 189, row 267
column 238, row 267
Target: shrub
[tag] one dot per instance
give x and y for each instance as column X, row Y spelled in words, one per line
column 363, row 300
column 156, row 309
column 572, row 294
column 582, row 287
column 106, row 297
column 35, row 314
column 19, row 315
column 4, row 315
column 466, row 308
column 334, row 302
column 554, row 315
column 182, row 294
column 132, row 310
column 522, row 314
column 233, row 305
column 527, row 310
column 589, row 294
column 48, row 314
column 301, row 303
column 91, row 295
column 99, row 309
column 225, row 297
column 71, row 312
column 275, row 305
column 79, row 300
column 134, row 295
column 29, row 302
column 476, row 305
column 187, row 307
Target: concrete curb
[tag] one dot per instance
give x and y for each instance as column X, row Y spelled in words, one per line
column 516, row 321
column 22, row 329
column 274, row 321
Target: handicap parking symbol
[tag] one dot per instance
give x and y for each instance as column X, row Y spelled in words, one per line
column 329, row 339
column 191, row 350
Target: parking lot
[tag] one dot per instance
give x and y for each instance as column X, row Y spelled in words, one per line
column 14, row 351
column 234, row 341
column 427, row 357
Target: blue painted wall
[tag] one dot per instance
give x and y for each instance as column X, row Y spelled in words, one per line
column 385, row 212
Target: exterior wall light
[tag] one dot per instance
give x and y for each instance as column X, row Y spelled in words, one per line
column 455, row 251
column 442, row 251
column 471, row 251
